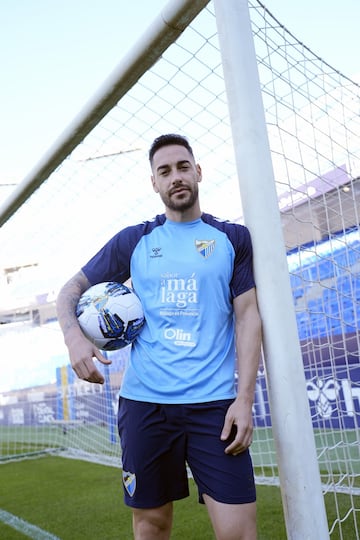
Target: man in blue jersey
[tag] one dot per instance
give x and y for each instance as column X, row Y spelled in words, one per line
column 178, row 403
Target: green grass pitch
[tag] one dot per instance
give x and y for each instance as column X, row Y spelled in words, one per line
column 76, row 500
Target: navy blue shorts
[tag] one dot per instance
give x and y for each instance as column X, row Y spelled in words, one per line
column 158, row 441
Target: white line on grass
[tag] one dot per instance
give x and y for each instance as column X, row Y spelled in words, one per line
column 31, row 531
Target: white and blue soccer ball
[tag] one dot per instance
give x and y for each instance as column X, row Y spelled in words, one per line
column 110, row 315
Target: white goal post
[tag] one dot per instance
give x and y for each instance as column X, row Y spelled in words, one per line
column 305, row 515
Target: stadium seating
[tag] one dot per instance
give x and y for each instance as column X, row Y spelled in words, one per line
column 326, row 293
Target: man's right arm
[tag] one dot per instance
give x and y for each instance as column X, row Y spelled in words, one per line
column 81, row 350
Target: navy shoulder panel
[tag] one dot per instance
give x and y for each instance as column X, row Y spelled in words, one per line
column 112, row 262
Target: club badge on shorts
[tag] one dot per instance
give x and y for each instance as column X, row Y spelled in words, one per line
column 129, row 481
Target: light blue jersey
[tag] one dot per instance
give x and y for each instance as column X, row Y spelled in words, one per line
column 186, row 276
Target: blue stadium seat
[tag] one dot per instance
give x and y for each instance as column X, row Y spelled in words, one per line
column 336, row 309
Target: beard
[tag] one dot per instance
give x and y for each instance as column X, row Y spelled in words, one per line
column 183, row 202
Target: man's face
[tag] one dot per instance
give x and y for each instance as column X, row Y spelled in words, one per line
column 176, row 177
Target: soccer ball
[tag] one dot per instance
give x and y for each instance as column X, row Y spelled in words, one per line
column 110, row 315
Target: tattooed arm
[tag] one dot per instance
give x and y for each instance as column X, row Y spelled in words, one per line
column 81, row 350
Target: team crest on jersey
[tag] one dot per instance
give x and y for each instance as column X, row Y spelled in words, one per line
column 205, row 247
column 129, row 481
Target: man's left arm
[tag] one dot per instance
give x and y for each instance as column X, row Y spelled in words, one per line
column 248, row 349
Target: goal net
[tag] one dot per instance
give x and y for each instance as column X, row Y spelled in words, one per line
column 95, row 181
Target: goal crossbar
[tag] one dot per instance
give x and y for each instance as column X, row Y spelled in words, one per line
column 165, row 29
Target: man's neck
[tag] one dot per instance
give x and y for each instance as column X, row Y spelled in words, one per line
column 191, row 214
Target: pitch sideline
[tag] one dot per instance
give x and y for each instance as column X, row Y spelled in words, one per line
column 31, row 531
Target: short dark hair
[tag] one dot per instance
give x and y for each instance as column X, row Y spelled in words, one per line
column 166, row 140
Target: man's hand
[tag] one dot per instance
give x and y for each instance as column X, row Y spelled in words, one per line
column 82, row 353
column 238, row 425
